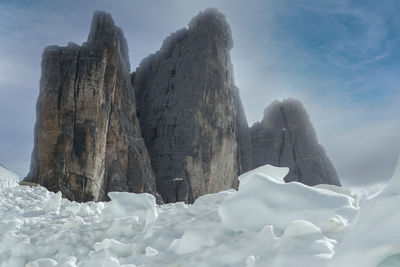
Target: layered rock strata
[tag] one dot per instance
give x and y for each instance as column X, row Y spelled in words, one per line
column 87, row 136
column 190, row 112
column 285, row 137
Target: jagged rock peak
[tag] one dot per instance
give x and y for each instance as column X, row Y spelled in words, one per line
column 214, row 23
column 190, row 111
column 285, row 137
column 208, row 25
column 87, row 136
column 292, row 104
column 102, row 26
column 103, row 29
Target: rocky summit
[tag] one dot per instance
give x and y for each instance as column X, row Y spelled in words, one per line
column 190, row 112
column 285, row 137
column 87, row 136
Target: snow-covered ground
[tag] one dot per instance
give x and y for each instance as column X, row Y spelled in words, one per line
column 265, row 223
column 7, row 178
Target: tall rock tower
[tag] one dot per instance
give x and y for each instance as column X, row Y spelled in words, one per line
column 285, row 137
column 190, row 112
column 87, row 136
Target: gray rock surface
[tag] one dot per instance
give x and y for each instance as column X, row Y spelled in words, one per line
column 285, row 137
column 87, row 136
column 190, row 112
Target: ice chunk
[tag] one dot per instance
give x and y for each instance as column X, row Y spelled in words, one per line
column 151, row 251
column 276, row 173
column 209, row 200
column 251, row 261
column 53, row 205
column 68, row 262
column 107, row 262
column 45, row 262
column 261, row 198
column 341, row 190
column 125, row 204
column 191, row 241
column 299, row 228
column 115, row 248
column 266, row 235
column 335, row 224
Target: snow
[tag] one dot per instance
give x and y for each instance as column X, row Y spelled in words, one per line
column 122, row 204
column 7, row 178
column 265, row 223
column 375, row 236
column 260, row 198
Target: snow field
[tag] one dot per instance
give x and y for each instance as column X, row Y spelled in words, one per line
column 265, row 223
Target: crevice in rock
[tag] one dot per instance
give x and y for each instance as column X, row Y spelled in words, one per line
column 297, row 172
column 78, row 134
column 60, row 88
column 282, row 145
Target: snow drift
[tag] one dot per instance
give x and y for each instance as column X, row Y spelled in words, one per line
column 265, row 223
column 7, row 178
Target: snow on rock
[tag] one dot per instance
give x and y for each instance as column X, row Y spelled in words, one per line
column 375, row 236
column 7, row 178
column 261, row 198
column 265, row 223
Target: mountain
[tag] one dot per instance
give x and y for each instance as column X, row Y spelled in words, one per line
column 175, row 125
column 190, row 111
column 285, row 137
column 87, row 136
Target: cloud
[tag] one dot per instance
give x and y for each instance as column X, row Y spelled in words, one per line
column 364, row 151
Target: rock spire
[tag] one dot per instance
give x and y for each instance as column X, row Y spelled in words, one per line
column 285, row 137
column 87, row 136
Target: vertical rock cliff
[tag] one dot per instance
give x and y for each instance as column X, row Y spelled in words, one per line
column 285, row 137
column 87, row 136
column 190, row 111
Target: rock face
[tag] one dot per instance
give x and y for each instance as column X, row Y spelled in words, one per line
column 190, row 111
column 87, row 136
column 285, row 137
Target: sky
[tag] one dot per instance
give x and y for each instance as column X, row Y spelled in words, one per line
column 341, row 58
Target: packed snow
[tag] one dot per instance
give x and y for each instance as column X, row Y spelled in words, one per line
column 265, row 223
column 7, row 178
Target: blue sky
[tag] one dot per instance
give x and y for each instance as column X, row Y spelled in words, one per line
column 340, row 57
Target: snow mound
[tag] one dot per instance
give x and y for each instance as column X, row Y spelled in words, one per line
column 7, row 178
column 374, row 239
column 261, row 198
